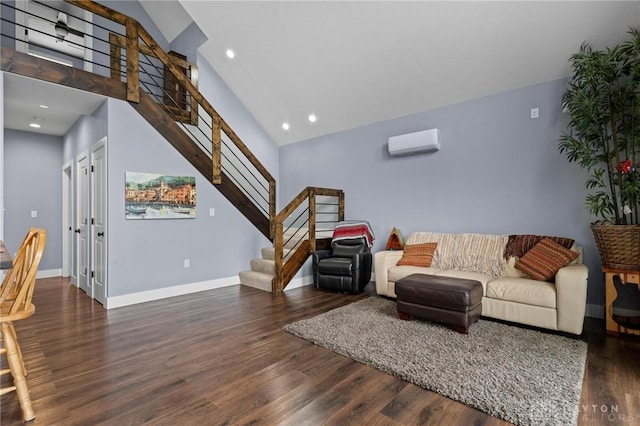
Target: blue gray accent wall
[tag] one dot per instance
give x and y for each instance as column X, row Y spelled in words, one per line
column 498, row 171
column 88, row 130
column 188, row 42
column 32, row 173
column 148, row 255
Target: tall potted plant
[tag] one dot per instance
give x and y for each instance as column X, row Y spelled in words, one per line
column 603, row 103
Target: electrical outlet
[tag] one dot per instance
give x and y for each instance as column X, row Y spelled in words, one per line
column 212, row 211
column 535, row 112
column 187, row 263
column 34, row 213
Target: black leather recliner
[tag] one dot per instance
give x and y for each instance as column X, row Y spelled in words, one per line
column 345, row 268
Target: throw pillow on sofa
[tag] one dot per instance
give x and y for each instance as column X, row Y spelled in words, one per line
column 418, row 254
column 545, row 259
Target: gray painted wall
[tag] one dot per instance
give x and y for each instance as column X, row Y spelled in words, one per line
column 88, row 130
column 146, row 255
column 498, row 171
column 149, row 255
column 32, row 177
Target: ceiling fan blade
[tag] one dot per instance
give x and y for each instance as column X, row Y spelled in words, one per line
column 63, row 29
column 75, row 32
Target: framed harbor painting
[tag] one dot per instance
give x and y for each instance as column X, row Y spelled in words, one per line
column 158, row 196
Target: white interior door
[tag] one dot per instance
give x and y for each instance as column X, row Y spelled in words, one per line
column 98, row 193
column 67, row 222
column 82, row 222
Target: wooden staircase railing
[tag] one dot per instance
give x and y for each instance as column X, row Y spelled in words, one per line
column 296, row 229
column 230, row 157
column 191, row 125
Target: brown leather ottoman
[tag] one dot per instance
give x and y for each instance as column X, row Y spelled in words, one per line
column 453, row 301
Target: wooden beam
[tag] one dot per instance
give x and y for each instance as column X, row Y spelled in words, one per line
column 98, row 9
column 133, row 67
column 115, row 55
column 30, row 66
column 216, row 156
column 276, row 284
column 121, row 41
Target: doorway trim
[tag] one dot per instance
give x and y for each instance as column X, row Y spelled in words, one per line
column 67, row 221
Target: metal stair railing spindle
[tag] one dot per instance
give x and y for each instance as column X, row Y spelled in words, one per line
column 230, row 157
column 115, row 56
column 98, row 59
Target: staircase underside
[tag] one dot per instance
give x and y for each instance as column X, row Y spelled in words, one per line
column 30, row 66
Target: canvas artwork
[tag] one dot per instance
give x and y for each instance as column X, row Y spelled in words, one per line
column 158, row 196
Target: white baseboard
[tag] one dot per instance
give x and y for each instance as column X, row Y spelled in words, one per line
column 308, row 280
column 299, row 282
column 594, row 311
column 49, row 273
column 163, row 293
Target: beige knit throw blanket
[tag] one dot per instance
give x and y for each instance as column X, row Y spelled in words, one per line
column 465, row 252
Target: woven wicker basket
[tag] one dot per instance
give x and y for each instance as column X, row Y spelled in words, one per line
column 619, row 245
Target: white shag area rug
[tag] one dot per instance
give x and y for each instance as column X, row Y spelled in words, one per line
column 523, row 376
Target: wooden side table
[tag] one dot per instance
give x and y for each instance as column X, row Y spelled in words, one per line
column 627, row 276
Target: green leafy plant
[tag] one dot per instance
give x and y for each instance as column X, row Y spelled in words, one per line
column 603, row 103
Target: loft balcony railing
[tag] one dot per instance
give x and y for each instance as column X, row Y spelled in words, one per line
column 113, row 55
column 117, row 46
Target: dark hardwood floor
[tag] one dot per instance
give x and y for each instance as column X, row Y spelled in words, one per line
column 220, row 357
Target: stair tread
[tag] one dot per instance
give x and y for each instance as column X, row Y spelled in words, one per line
column 255, row 279
column 265, row 266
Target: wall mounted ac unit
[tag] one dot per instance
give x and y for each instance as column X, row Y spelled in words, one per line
column 412, row 143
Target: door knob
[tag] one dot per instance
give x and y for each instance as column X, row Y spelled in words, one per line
column 100, row 234
column 77, row 231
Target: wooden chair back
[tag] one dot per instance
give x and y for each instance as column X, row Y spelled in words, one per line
column 18, row 284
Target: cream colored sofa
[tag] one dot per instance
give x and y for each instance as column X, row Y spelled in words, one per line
column 508, row 294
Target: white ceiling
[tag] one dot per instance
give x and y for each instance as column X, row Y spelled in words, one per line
column 23, row 97
column 360, row 62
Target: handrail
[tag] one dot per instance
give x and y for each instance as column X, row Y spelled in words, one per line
column 193, row 134
column 287, row 265
column 135, row 30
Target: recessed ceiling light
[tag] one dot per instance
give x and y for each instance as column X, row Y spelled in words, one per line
column 312, row 118
column 286, row 126
column 36, row 123
column 230, row 54
column 44, row 106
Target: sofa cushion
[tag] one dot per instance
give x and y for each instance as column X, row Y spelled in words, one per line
column 397, row 272
column 519, row 245
column 510, row 270
column 417, row 254
column 544, row 259
column 522, row 290
column 467, row 275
